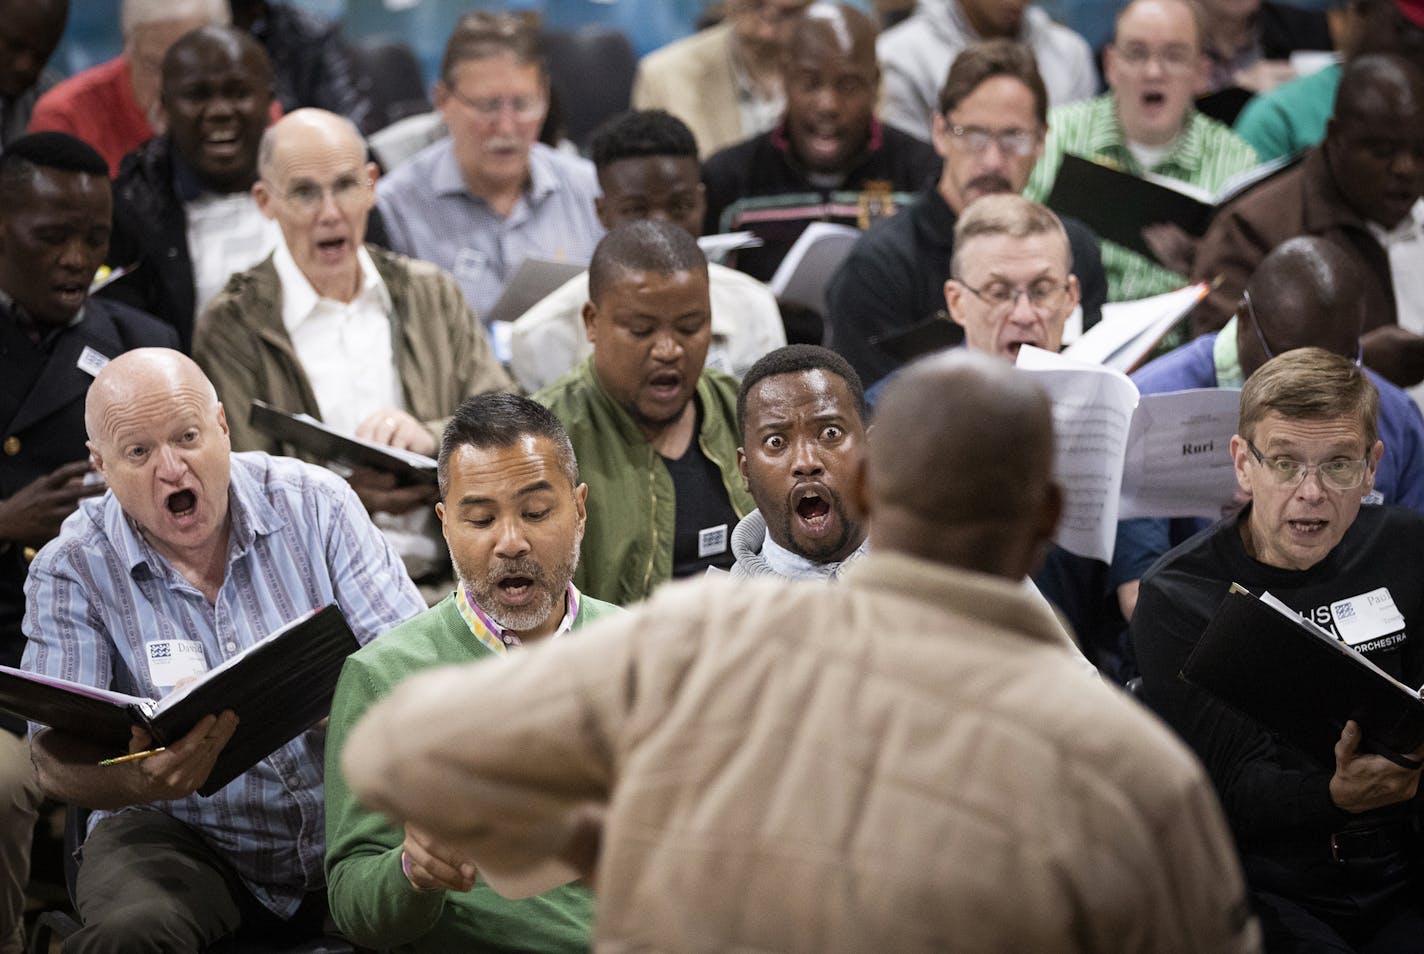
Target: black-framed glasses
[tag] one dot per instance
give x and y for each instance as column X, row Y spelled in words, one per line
column 1261, row 335
column 1011, row 142
column 1335, row 474
column 1044, row 296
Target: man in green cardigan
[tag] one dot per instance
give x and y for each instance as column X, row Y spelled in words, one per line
column 513, row 513
column 654, row 430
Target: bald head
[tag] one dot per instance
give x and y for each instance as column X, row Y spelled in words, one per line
column 1379, row 81
column 307, row 133
column 960, row 465
column 314, row 180
column 1309, row 292
column 138, row 377
column 158, row 435
column 833, row 29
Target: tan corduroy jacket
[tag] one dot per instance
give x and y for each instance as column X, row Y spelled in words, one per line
column 907, row 761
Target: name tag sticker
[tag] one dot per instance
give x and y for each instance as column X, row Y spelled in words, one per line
column 90, row 361
column 712, row 541
column 173, row 660
column 1367, row 616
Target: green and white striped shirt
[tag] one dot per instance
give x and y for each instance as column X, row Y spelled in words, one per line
column 1205, row 155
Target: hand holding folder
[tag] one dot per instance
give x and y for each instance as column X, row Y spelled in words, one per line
column 275, row 689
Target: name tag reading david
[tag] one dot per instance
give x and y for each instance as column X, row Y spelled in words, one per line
column 1368, row 616
column 712, row 541
column 172, row 660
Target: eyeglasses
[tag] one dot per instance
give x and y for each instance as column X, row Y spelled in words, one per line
column 1261, row 336
column 1011, row 142
column 526, row 109
column 1335, row 474
column 1044, row 296
column 309, row 196
column 1173, row 59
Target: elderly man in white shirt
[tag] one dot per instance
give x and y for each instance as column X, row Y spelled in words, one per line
column 374, row 344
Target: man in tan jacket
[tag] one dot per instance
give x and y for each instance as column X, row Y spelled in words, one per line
column 908, row 761
column 724, row 81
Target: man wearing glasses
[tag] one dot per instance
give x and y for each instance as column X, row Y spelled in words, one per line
column 481, row 201
column 1155, row 67
column 989, row 130
column 1329, row 850
column 1309, row 292
column 374, row 344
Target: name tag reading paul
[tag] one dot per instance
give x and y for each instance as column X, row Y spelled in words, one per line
column 1368, row 616
column 170, row 661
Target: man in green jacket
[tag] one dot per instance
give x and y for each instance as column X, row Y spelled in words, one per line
column 512, row 510
column 655, row 432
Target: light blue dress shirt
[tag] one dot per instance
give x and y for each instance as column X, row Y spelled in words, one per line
column 429, row 214
column 300, row 539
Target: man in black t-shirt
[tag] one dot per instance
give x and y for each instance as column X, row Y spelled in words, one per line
column 1328, row 849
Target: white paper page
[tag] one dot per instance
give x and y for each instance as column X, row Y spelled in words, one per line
column 410, row 457
column 716, row 247
column 1129, row 329
column 1178, row 461
column 1092, row 414
column 531, row 284
column 804, row 273
column 93, row 692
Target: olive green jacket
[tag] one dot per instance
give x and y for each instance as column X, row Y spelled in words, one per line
column 632, row 506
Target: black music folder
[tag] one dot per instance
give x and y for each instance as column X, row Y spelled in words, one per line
column 1301, row 682
column 279, row 687
column 315, row 438
column 1118, row 205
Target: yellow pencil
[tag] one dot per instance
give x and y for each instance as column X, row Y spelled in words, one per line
column 133, row 756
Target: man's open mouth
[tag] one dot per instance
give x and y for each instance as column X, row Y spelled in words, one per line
column 1154, row 99
column 221, row 142
column 665, row 384
column 182, row 503
column 72, row 293
column 812, row 506
column 1307, row 527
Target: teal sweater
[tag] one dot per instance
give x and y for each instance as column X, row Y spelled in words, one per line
column 371, row 900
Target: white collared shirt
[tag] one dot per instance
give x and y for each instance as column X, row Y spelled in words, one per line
column 227, row 234
column 344, row 347
column 346, row 351
column 1404, row 244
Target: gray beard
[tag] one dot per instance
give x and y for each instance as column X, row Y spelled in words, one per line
column 552, row 583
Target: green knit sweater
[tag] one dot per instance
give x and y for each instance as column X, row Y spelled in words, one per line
column 371, row 900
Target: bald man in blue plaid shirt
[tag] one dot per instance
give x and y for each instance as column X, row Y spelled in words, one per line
column 194, row 555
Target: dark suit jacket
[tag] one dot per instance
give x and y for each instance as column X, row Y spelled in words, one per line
column 42, row 393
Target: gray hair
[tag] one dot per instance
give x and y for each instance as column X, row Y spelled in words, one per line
column 138, row 12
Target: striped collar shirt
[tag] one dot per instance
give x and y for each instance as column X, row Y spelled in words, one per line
column 1206, row 155
column 429, row 213
column 495, row 637
column 101, row 603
